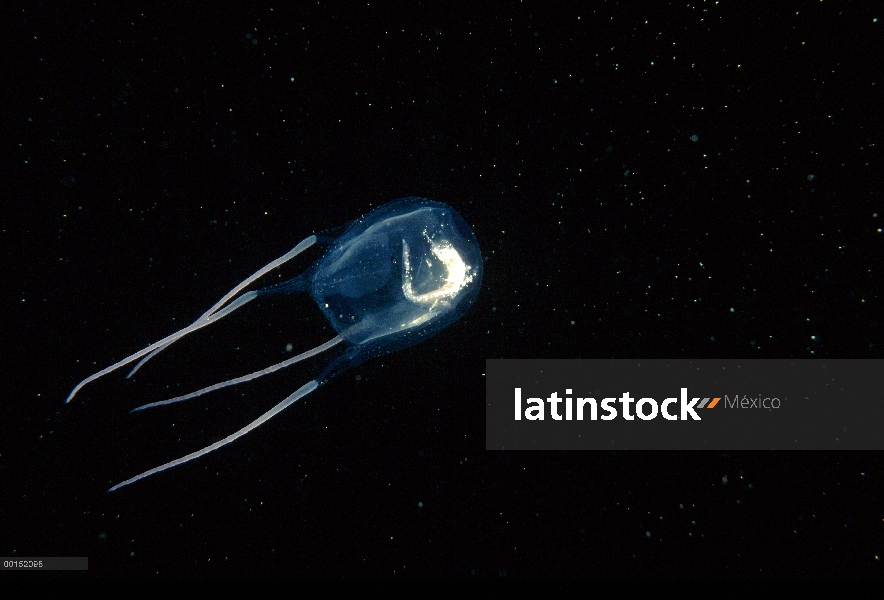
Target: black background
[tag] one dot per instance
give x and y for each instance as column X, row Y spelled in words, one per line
column 646, row 181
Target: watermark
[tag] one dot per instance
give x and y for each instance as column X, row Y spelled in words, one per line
column 645, row 408
column 684, row 404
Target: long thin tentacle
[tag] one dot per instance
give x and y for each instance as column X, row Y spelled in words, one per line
column 303, row 391
column 238, row 303
column 282, row 365
column 256, row 275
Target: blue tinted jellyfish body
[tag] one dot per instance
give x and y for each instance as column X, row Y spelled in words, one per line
column 392, row 279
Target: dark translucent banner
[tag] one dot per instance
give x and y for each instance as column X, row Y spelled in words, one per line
column 684, row 404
